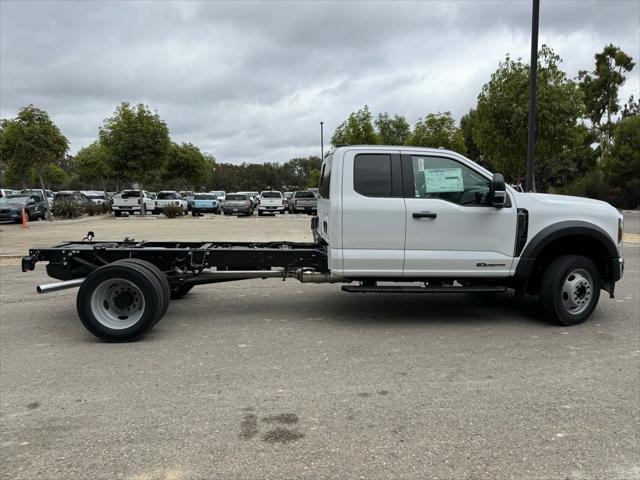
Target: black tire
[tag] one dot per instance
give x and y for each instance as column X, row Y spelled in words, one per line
column 101, row 283
column 570, row 289
column 117, row 213
column 163, row 282
column 260, row 213
column 180, row 291
column 194, row 213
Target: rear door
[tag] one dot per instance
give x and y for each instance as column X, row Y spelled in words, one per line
column 452, row 230
column 373, row 214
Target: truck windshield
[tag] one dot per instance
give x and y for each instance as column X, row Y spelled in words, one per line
column 206, row 197
column 305, row 195
column 236, row 197
column 130, row 194
column 271, row 195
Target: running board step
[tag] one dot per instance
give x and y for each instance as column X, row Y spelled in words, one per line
column 426, row 289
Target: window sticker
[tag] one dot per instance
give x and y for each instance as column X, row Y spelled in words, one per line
column 420, row 164
column 441, row 180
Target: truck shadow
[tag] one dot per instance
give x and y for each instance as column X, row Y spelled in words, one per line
column 327, row 304
column 385, row 309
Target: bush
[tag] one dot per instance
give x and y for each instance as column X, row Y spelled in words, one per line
column 173, row 211
column 66, row 208
column 592, row 185
column 92, row 209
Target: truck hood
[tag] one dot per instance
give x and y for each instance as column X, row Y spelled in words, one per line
column 565, row 200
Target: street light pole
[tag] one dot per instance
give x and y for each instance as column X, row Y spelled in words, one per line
column 321, row 140
column 533, row 79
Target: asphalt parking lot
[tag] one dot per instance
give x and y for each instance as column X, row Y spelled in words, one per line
column 260, row 379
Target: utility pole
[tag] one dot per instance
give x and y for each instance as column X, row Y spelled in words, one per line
column 533, row 80
column 321, row 140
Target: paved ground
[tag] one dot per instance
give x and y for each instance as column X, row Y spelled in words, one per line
column 258, row 379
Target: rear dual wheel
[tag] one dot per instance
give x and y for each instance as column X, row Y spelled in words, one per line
column 122, row 301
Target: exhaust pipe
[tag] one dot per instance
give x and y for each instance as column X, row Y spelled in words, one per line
column 54, row 287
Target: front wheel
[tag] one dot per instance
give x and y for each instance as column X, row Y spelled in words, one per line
column 570, row 289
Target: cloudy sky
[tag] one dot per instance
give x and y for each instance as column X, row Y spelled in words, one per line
column 251, row 81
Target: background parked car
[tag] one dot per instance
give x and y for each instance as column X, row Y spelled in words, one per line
column 253, row 197
column 271, row 202
column 77, row 197
column 169, row 197
column 38, row 191
column 189, row 197
column 96, row 196
column 7, row 191
column 129, row 201
column 303, row 201
column 11, row 207
column 287, row 196
column 238, row 204
column 205, row 202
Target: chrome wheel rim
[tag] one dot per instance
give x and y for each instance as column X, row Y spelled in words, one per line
column 117, row 303
column 577, row 291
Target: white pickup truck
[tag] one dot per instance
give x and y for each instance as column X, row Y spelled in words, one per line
column 169, row 197
column 390, row 220
column 271, row 202
column 129, row 201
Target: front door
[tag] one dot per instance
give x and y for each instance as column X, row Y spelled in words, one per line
column 452, row 230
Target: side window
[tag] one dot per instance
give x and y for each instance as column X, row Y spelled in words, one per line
column 325, row 177
column 446, row 179
column 372, row 175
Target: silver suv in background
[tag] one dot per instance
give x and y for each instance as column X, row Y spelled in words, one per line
column 238, row 204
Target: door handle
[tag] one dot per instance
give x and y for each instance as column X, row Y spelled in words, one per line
column 424, row 215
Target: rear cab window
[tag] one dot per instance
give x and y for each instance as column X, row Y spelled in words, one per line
column 304, row 195
column 271, row 195
column 372, row 175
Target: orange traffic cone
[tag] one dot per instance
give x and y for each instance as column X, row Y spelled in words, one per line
column 24, row 219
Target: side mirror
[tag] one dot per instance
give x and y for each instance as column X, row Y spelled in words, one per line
column 497, row 191
column 31, row 202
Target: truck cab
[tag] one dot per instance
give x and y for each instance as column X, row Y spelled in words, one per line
column 426, row 214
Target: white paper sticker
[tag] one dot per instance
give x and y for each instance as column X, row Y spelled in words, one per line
column 440, row 180
column 421, row 164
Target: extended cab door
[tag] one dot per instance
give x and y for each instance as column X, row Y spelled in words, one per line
column 452, row 230
column 373, row 213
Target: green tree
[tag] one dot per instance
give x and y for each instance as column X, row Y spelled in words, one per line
column 600, row 88
column 296, row 172
column 392, row 130
column 92, row 165
column 186, row 167
column 501, row 118
column 356, row 130
column 437, row 130
column 467, row 123
column 314, row 179
column 631, row 108
column 137, row 141
column 621, row 164
column 30, row 143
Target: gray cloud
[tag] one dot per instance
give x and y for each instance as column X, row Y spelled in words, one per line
column 250, row 81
